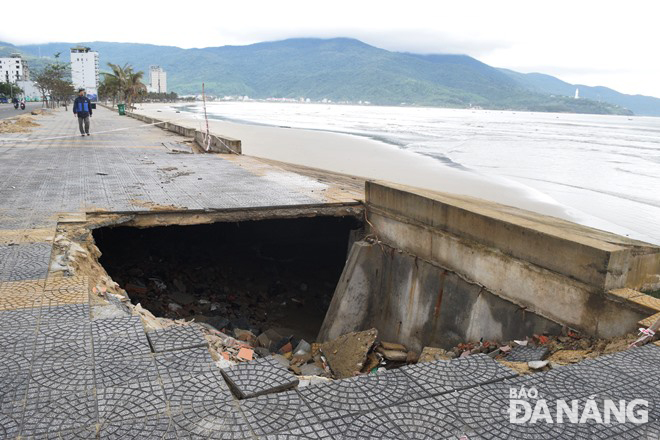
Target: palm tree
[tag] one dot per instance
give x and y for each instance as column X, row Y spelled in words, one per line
column 123, row 84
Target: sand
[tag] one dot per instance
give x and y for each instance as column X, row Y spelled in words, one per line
column 364, row 157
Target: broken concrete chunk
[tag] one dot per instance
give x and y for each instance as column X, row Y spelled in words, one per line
column 537, row 365
column 303, row 347
column 347, row 354
column 392, row 355
column 430, row 354
column 393, row 346
column 281, row 360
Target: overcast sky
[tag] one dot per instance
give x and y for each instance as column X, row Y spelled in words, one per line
column 610, row 43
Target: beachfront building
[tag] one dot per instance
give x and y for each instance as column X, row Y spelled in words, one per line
column 30, row 90
column 157, row 80
column 85, row 69
column 14, row 68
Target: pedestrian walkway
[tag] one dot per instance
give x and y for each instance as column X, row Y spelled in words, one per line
column 75, row 366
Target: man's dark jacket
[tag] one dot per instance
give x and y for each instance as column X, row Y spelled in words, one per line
column 82, row 107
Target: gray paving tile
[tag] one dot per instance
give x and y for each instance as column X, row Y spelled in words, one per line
column 176, row 338
column 187, row 362
column 145, row 428
column 136, row 400
column 58, row 414
column 122, row 346
column 109, row 372
column 55, row 378
column 66, row 314
column 80, row 433
column 17, row 339
column 198, row 390
column 360, row 394
column 124, row 326
column 220, row 419
column 272, row 413
column 261, row 376
column 20, row 318
column 444, row 376
column 527, row 353
column 9, row 426
column 52, row 348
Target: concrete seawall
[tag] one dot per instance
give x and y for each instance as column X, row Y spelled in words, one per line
column 212, row 143
column 477, row 265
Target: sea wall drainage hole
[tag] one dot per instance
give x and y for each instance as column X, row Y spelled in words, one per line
column 267, row 275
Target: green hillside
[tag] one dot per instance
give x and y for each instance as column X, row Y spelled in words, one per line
column 338, row 69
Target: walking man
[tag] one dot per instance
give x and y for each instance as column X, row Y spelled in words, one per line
column 82, row 108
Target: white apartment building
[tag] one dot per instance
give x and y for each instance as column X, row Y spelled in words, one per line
column 157, row 80
column 14, row 68
column 85, row 69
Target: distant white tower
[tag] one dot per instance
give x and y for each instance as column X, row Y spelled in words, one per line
column 577, row 93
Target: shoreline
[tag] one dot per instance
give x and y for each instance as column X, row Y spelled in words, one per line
column 367, row 158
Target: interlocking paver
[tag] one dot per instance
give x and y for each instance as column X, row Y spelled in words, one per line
column 272, row 413
column 134, row 400
column 186, row 363
column 262, row 376
column 360, row 394
column 145, row 428
column 444, row 376
column 58, row 414
column 176, row 338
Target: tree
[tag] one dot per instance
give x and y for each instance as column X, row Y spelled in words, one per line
column 54, row 81
column 122, row 84
column 9, row 89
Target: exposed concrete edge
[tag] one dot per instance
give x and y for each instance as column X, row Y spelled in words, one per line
column 595, row 257
column 144, row 219
column 215, row 143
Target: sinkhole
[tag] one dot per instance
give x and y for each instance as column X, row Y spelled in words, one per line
column 252, row 275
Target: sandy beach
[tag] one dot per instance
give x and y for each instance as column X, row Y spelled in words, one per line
column 363, row 157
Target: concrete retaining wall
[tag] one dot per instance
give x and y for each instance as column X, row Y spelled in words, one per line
column 552, row 267
column 417, row 303
column 450, row 269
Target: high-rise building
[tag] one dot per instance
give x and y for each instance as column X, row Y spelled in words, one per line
column 157, row 80
column 14, row 68
column 85, row 69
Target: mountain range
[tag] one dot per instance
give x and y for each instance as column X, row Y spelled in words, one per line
column 344, row 69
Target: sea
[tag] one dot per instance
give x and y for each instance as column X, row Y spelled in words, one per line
column 604, row 169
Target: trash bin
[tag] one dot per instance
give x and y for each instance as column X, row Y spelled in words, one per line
column 122, row 109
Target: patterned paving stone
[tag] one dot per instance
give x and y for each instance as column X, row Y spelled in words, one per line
column 199, row 390
column 27, row 261
column 176, row 338
column 186, row 363
column 485, row 409
column 69, row 284
column 20, row 318
column 129, row 327
column 116, row 371
column 641, row 363
column 57, row 378
column 426, row 419
column 527, row 354
column 443, row 376
column 59, row 414
column 9, row 427
column 62, row 330
column 276, row 412
column 80, row 433
column 360, row 394
column 136, row 400
column 50, row 348
column 17, row 339
column 146, row 428
column 221, row 420
column 262, row 376
column 121, row 346
column 20, row 295
column 64, row 314
column 13, row 390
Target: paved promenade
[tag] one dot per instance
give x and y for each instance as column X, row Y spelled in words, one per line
column 75, row 366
